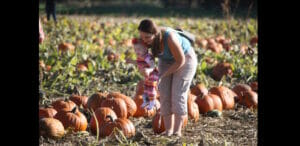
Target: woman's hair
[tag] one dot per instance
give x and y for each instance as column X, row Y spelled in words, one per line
column 149, row 26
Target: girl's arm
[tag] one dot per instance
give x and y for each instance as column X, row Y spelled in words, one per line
column 177, row 53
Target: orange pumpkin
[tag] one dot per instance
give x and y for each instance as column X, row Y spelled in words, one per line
column 51, row 128
column 95, row 100
column 217, row 102
column 66, row 47
column 226, row 95
column 199, row 90
column 201, row 42
column 220, row 70
column 79, row 100
column 130, row 104
column 123, row 124
column 82, row 67
column 193, row 110
column 158, row 125
column 239, row 89
column 250, row 99
column 205, row 103
column 101, row 114
column 63, row 104
column 73, row 119
column 118, row 105
column 254, row 40
column 48, row 112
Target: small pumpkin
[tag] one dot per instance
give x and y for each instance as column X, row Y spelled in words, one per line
column 51, row 128
column 47, row 112
column 250, row 99
column 73, row 119
column 205, row 103
column 201, row 42
column 254, row 40
column 220, row 70
column 66, row 47
column 130, row 104
column 123, row 124
column 226, row 95
column 101, row 114
column 158, row 125
column 63, row 104
column 193, row 110
column 118, row 105
column 239, row 89
column 82, row 67
column 199, row 90
column 95, row 100
column 79, row 100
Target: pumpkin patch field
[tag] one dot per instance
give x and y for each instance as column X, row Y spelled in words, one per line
column 89, row 95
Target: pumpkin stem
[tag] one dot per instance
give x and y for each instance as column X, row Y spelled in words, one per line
column 74, row 109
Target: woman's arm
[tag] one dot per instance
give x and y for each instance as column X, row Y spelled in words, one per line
column 177, row 53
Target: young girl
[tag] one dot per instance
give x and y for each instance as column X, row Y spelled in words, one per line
column 146, row 61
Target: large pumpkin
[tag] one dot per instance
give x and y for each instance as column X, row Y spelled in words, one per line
column 193, row 110
column 227, row 96
column 250, row 99
column 79, row 100
column 130, row 104
column 158, row 123
column 95, row 100
column 220, row 70
column 101, row 114
column 143, row 112
column 123, row 124
column 63, row 105
column 199, row 90
column 205, row 103
column 52, row 128
column 47, row 112
column 73, row 119
column 217, row 102
column 239, row 89
column 118, row 105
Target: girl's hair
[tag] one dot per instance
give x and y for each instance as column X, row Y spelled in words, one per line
column 149, row 26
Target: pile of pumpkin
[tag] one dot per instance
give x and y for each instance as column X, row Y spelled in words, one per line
column 112, row 110
column 220, row 43
column 221, row 97
column 108, row 110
